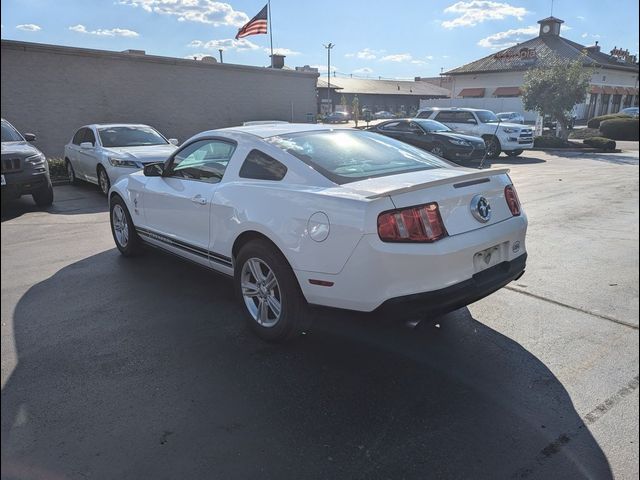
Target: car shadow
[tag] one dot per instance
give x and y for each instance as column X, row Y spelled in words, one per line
column 67, row 200
column 520, row 160
column 143, row 368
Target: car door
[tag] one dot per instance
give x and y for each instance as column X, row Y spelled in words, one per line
column 449, row 118
column 391, row 129
column 177, row 205
column 88, row 157
column 73, row 152
column 466, row 123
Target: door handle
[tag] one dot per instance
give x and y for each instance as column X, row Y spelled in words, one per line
column 199, row 199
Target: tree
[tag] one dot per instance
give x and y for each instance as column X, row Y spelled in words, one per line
column 555, row 90
column 355, row 109
column 343, row 100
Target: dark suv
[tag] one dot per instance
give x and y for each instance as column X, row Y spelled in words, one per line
column 24, row 168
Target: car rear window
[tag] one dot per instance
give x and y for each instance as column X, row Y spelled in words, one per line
column 345, row 156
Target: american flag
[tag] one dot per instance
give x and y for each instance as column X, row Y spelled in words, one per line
column 255, row 26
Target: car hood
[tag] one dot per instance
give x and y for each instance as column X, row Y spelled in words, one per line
column 144, row 154
column 508, row 125
column 471, row 139
column 22, row 149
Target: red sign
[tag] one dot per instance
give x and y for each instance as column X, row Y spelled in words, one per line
column 522, row 54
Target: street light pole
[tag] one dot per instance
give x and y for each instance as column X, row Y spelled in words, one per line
column 329, row 47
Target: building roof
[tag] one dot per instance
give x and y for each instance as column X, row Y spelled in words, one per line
column 385, row 87
column 547, row 51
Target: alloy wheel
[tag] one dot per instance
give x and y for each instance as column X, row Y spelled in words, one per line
column 261, row 292
column 70, row 173
column 120, row 225
column 103, row 180
column 437, row 150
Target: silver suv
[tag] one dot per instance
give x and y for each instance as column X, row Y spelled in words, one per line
column 510, row 138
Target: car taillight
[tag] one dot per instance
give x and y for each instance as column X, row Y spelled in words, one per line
column 421, row 223
column 511, row 197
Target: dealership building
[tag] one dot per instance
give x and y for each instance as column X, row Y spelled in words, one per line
column 495, row 81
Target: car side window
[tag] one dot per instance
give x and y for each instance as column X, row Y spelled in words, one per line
column 89, row 136
column 261, row 166
column 425, row 114
column 446, row 117
column 465, row 117
column 77, row 138
column 204, row 160
column 390, row 126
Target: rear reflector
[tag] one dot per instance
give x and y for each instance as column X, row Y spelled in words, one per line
column 421, row 223
column 511, row 197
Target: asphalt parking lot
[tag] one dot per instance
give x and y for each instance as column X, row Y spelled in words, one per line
column 115, row 368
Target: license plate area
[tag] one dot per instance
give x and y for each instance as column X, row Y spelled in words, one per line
column 490, row 257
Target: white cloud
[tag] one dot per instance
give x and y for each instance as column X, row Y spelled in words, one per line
column 397, row 57
column 590, row 35
column 240, row 45
column 323, row 68
column 477, row 11
column 365, row 54
column 580, row 17
column 508, row 38
column 201, row 11
column 363, row 70
column 282, row 51
column 101, row 32
column 418, row 62
column 29, row 27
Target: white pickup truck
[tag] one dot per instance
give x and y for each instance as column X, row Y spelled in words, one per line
column 510, row 138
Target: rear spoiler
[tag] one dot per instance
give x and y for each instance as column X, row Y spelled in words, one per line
column 469, row 177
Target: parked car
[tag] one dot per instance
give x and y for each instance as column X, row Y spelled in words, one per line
column 434, row 137
column 510, row 138
column 25, row 170
column 302, row 214
column 101, row 153
column 631, row 111
column 511, row 117
column 383, row 115
column 336, row 117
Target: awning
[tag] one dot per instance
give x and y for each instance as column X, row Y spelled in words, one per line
column 471, row 92
column 507, row 92
column 619, row 90
column 607, row 90
column 595, row 89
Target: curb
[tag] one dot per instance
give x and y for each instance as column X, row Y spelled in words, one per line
column 574, row 150
column 59, row 181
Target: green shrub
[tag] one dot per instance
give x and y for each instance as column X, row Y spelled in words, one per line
column 57, row 168
column 600, row 142
column 621, row 128
column 596, row 121
column 549, row 141
column 582, row 133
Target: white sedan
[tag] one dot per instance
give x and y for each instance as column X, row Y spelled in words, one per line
column 102, row 153
column 303, row 214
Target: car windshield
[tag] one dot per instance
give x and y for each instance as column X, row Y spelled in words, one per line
column 10, row 134
column 485, row 116
column 432, row 125
column 130, row 137
column 345, row 156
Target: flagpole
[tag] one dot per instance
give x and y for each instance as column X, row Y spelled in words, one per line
column 270, row 31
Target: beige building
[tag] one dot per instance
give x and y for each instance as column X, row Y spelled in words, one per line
column 494, row 82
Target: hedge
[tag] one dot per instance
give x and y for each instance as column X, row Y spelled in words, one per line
column 621, row 128
column 548, row 141
column 596, row 121
column 57, row 168
column 600, row 142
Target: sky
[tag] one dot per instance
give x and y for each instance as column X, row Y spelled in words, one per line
column 374, row 38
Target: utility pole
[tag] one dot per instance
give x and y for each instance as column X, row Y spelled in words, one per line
column 220, row 50
column 329, row 46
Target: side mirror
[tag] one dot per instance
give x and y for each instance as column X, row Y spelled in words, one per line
column 155, row 169
column 85, row 145
column 29, row 137
column 173, row 141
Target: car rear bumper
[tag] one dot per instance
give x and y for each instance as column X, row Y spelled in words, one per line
column 451, row 298
column 377, row 272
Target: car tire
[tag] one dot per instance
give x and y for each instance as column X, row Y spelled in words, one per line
column 438, row 149
column 44, row 196
column 123, row 229
column 514, row 153
column 259, row 258
column 492, row 144
column 71, row 173
column 103, row 180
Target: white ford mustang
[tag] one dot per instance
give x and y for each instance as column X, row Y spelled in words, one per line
column 301, row 214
